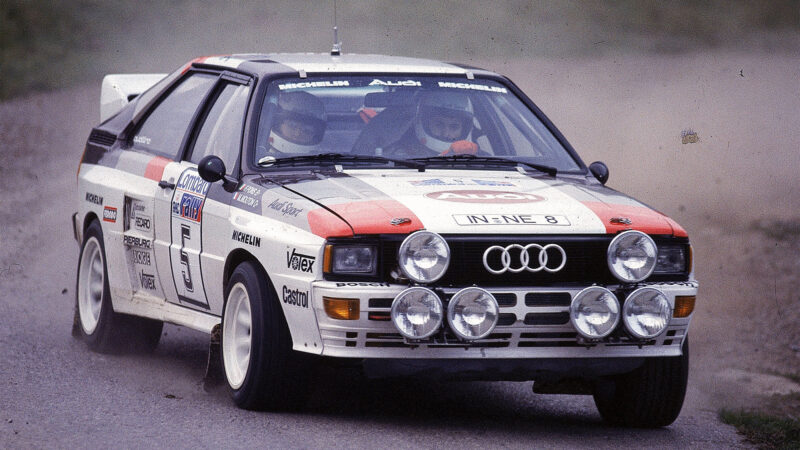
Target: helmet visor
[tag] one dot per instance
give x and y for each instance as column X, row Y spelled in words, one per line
column 446, row 124
column 299, row 128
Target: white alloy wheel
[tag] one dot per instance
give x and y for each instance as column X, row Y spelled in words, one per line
column 237, row 335
column 91, row 281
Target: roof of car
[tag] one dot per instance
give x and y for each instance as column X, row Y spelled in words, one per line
column 327, row 63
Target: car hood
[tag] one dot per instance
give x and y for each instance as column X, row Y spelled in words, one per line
column 468, row 202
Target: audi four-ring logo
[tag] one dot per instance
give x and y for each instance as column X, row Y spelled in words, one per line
column 525, row 259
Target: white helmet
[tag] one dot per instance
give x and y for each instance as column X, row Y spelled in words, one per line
column 435, row 105
column 299, row 123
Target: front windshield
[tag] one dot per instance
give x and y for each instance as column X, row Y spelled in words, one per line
column 408, row 117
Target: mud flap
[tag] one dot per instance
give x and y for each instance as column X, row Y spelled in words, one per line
column 214, row 376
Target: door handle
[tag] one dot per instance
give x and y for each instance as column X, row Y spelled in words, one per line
column 163, row 184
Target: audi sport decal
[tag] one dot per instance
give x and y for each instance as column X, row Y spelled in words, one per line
column 483, row 196
column 474, row 87
column 110, row 214
column 510, row 219
column 286, row 208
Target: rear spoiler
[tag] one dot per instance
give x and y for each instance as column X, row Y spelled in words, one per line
column 119, row 89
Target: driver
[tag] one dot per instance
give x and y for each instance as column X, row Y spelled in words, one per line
column 442, row 126
column 299, row 124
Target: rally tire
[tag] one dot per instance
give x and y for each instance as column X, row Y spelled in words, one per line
column 260, row 367
column 96, row 323
column 648, row 397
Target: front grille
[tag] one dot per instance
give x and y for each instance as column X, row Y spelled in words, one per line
column 586, row 262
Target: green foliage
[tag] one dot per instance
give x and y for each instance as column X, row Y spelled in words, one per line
column 765, row 430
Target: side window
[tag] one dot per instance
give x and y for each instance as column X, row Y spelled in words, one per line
column 221, row 134
column 163, row 130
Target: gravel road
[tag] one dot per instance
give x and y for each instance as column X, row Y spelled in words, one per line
column 627, row 112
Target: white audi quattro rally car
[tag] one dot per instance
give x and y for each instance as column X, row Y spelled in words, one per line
column 412, row 217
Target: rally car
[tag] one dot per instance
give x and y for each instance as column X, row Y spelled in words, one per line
column 412, row 217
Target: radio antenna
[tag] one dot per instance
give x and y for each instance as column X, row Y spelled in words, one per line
column 337, row 45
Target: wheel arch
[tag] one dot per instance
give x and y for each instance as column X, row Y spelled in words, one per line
column 87, row 220
column 236, row 257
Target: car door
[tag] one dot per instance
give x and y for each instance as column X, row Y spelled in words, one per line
column 198, row 211
column 155, row 146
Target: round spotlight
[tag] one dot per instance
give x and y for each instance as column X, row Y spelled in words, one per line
column 646, row 313
column 424, row 256
column 472, row 313
column 417, row 312
column 632, row 256
column 594, row 312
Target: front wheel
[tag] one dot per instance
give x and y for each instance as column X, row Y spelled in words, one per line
column 649, row 397
column 260, row 366
column 96, row 323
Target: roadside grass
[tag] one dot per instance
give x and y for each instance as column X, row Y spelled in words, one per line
column 768, row 431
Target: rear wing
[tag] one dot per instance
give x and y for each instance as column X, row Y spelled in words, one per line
column 119, row 89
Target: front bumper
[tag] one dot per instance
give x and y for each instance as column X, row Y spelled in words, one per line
column 530, row 328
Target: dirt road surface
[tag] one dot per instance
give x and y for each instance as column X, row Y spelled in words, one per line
column 735, row 191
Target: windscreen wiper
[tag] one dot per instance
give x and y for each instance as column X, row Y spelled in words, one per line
column 552, row 171
column 332, row 158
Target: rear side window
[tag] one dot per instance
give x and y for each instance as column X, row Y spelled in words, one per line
column 221, row 134
column 164, row 129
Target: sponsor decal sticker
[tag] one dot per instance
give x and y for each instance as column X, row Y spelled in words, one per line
column 142, row 222
column 361, row 284
column 147, row 281
column 109, row 214
column 141, row 257
column 135, row 241
column 190, row 182
column 295, row 297
column 286, row 208
column 141, row 140
column 484, row 196
column 245, row 238
column 299, row 261
column 406, row 83
column 94, row 198
column 459, row 182
column 474, row 87
column 189, row 207
column 510, row 219
column 314, row 84
column 248, row 195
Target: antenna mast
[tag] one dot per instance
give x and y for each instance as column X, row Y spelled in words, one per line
column 337, row 45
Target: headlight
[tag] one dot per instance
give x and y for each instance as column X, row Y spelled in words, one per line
column 472, row 313
column 646, row 313
column 594, row 312
column 632, row 256
column 358, row 259
column 424, row 256
column 417, row 312
column 671, row 259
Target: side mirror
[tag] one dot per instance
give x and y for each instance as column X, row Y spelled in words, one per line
column 598, row 169
column 212, row 169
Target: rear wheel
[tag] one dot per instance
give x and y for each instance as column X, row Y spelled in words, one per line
column 649, row 397
column 260, row 366
column 96, row 323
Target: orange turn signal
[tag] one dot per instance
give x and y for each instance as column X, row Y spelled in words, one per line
column 327, row 261
column 341, row 308
column 684, row 305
